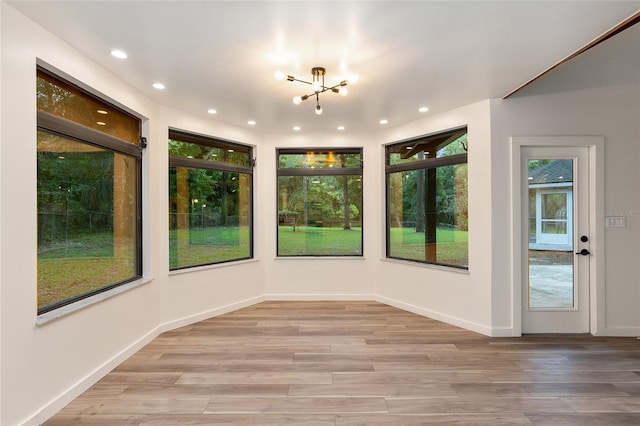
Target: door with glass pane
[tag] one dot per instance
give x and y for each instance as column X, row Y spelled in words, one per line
column 556, row 253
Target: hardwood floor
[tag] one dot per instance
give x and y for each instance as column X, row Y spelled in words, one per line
column 362, row 363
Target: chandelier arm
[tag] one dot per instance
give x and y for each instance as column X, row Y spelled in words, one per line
column 324, row 88
column 298, row 80
column 341, row 84
column 305, row 97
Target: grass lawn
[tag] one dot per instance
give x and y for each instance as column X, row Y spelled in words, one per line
column 87, row 263
column 208, row 245
column 80, row 265
column 319, row 241
column 452, row 245
column 61, row 279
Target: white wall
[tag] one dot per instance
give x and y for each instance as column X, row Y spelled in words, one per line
column 198, row 293
column 44, row 366
column 596, row 94
column 461, row 298
column 41, row 362
column 321, row 277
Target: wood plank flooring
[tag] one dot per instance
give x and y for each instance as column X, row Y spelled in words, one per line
column 362, row 363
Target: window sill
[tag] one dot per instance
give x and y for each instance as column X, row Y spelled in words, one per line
column 81, row 304
column 426, row 265
column 212, row 266
column 320, row 257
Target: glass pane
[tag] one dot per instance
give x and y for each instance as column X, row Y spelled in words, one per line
column 319, row 216
column 554, row 213
column 435, row 146
column 551, row 274
column 209, row 216
column 66, row 101
column 224, row 154
column 87, row 218
column 428, row 216
column 319, row 160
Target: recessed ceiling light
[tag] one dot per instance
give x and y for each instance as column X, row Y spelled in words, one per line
column 384, row 121
column 229, row 150
column 212, row 111
column 251, row 123
column 158, row 86
column 423, row 109
column 296, row 128
column 118, row 54
column 340, row 127
column 101, row 111
column 101, row 123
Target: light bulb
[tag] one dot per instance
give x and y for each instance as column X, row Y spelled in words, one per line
column 119, row 54
column 297, row 100
column 343, row 91
column 318, row 110
column 279, row 75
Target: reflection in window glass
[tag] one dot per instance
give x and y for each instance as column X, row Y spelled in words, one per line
column 66, row 101
column 210, row 216
column 318, row 160
column 210, row 201
column 224, row 153
column 427, row 213
column 87, row 218
column 89, row 194
column 319, row 214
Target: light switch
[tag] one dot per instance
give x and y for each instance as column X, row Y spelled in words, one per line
column 616, row 222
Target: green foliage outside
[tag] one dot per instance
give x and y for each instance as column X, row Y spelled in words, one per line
column 452, row 245
column 319, row 241
column 208, row 245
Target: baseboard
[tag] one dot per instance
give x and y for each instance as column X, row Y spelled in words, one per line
column 478, row 328
column 274, row 297
column 620, row 332
column 467, row 325
column 181, row 322
column 81, row 386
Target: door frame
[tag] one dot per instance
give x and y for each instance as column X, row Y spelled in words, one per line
column 595, row 144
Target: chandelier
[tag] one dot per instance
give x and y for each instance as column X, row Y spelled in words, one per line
column 317, row 85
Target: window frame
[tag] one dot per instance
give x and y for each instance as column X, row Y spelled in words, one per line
column 298, row 172
column 420, row 164
column 196, row 163
column 63, row 127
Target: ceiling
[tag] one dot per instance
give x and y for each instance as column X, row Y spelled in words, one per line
column 223, row 54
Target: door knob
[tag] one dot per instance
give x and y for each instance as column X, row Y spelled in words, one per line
column 584, row 252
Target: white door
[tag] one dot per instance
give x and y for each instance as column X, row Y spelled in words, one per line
column 555, row 294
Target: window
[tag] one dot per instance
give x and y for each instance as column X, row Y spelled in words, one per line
column 319, row 202
column 210, row 200
column 89, row 194
column 426, row 193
